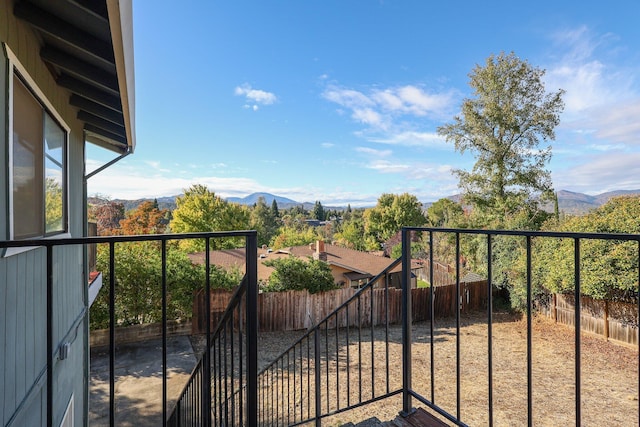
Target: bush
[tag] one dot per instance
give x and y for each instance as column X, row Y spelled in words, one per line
column 295, row 274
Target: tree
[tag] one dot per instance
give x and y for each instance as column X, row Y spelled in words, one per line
column 274, row 209
column 145, row 219
column 293, row 273
column 504, row 125
column 294, row 236
column 201, row 210
column 444, row 213
column 138, row 280
column 263, row 221
column 391, row 213
column 318, row 211
column 107, row 216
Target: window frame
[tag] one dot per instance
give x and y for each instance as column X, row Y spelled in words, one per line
column 15, row 68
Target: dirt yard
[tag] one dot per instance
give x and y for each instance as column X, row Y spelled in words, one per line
column 609, row 386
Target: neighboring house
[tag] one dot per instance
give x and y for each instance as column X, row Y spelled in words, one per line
column 349, row 267
column 66, row 76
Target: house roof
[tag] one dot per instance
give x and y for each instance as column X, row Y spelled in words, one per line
column 359, row 264
column 88, row 47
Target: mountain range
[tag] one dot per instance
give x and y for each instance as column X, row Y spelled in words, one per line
column 568, row 201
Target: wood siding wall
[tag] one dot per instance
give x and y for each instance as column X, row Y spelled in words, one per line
column 296, row 310
column 22, row 276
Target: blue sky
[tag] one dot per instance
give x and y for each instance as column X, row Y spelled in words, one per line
column 340, row 100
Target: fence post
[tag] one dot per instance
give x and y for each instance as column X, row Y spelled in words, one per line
column 252, row 328
column 406, row 321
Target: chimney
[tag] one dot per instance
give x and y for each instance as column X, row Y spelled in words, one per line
column 320, row 253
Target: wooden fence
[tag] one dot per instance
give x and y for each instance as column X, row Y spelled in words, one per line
column 295, row 310
column 613, row 320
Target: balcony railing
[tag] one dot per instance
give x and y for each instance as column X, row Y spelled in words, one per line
column 215, row 375
column 332, row 369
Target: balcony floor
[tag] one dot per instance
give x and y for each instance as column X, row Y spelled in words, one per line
column 139, row 381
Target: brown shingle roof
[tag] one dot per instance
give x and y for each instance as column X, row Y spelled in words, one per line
column 349, row 259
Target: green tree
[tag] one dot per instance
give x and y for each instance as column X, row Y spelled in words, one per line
column 294, row 236
column 293, row 273
column 318, row 211
column 201, row 210
column 53, row 205
column 391, row 213
column 445, row 213
column 608, row 267
column 503, row 126
column 263, row 221
column 138, row 280
column 274, row 209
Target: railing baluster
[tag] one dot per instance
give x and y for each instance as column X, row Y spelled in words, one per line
column 489, row 328
column 373, row 371
column 206, row 383
column 164, row 331
column 112, row 334
column 529, row 339
column 577, row 329
column 406, row 321
column 432, row 309
column 318, row 395
column 458, row 409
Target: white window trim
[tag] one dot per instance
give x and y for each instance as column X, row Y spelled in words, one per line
column 16, row 65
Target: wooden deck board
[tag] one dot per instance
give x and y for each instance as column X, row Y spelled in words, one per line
column 419, row 418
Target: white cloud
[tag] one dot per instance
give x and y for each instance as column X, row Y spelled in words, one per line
column 255, row 97
column 385, row 166
column 600, row 173
column 373, row 152
column 391, row 115
column 602, row 99
column 413, row 138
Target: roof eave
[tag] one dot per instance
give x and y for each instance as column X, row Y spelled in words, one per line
column 121, row 26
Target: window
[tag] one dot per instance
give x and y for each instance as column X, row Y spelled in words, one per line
column 38, row 159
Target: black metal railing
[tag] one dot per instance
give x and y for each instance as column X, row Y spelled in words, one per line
column 324, row 373
column 333, row 367
column 209, row 381
column 526, row 241
column 336, row 365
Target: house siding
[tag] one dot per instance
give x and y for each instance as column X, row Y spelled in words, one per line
column 23, row 311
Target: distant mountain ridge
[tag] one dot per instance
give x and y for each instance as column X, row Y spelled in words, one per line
column 568, row 201
column 268, row 199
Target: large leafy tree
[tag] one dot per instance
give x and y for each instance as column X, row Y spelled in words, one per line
column 202, row 210
column 391, row 213
column 506, row 125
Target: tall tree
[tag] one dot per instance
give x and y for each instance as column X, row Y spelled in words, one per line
column 503, row 125
column 318, row 211
column 263, row 221
column 274, row 209
column 391, row 213
column 201, row 210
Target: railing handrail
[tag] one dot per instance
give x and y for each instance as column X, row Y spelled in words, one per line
column 62, row 241
column 311, row 329
column 531, row 233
